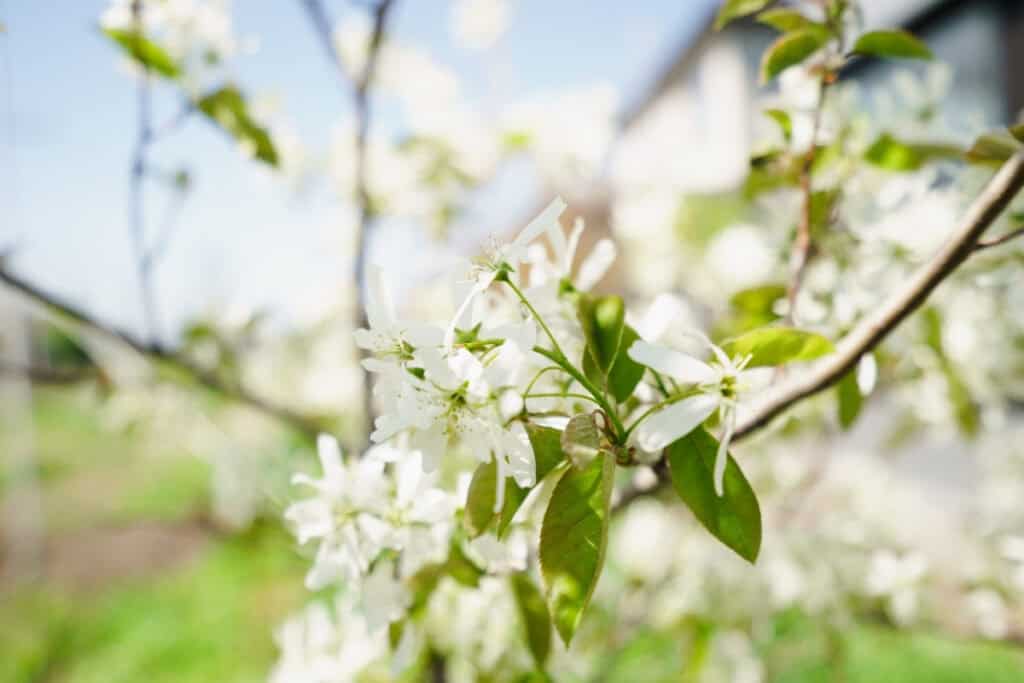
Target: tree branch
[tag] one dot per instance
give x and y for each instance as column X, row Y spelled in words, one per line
column 996, row 241
column 803, row 246
column 136, row 213
column 306, row 424
column 867, row 334
column 46, row 375
column 361, row 104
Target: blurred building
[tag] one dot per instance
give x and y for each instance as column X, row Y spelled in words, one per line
column 694, row 129
column 710, row 85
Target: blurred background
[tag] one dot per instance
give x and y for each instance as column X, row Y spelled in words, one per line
column 179, row 249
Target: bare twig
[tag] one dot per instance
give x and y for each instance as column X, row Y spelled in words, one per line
column 996, row 241
column 45, row 375
column 137, row 218
column 867, row 334
column 307, row 424
column 804, row 245
column 360, row 101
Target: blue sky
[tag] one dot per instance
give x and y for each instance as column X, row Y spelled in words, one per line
column 246, row 239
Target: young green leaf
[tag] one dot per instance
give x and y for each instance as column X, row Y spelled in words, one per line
column 480, row 499
column 893, row 44
column 889, row 153
column 778, row 345
column 784, row 121
column 457, row 566
column 785, row 19
column 734, row 9
column 895, row 155
column 733, row 518
column 144, row 51
column 758, row 300
column 573, row 538
column 547, row 455
column 849, row 398
column 602, row 319
column 581, row 440
column 227, row 108
column 534, row 615
column 790, row 49
column 624, row 374
column 992, row 149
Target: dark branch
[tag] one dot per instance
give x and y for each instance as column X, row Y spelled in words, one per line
column 207, row 378
column 361, row 104
column 996, row 241
column 867, row 334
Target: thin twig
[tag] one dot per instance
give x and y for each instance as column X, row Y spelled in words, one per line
column 45, row 375
column 361, row 105
column 803, row 247
column 136, row 213
column 307, row 424
column 867, row 334
column 996, row 241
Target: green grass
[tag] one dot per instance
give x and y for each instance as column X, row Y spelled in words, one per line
column 211, row 621
column 210, row 618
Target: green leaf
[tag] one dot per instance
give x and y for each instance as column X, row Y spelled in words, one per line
column 227, row 108
column 144, row 51
column 1017, row 131
column 992, row 149
column 785, row 19
column 783, row 119
column 778, row 345
column 573, row 539
column 516, row 140
column 602, row 319
column 624, row 374
column 790, row 49
column 850, row 399
column 758, row 300
column 461, row 568
column 733, row 518
column 547, row 455
column 895, row 155
column 734, row 9
column 581, row 440
column 965, row 410
column 481, row 498
column 534, row 615
column 889, row 153
column 893, row 44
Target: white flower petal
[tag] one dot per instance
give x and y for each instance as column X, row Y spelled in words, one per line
column 674, row 421
column 673, row 363
column 329, row 452
column 379, row 309
column 541, row 223
column 596, row 265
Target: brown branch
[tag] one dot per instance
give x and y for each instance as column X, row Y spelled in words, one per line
column 360, row 101
column 45, row 375
column 136, row 212
column 870, row 331
column 306, row 424
column 803, row 246
column 996, row 241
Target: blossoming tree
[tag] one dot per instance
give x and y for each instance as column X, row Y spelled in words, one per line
column 522, row 503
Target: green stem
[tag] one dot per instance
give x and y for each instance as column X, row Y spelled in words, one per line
column 539, row 374
column 582, row 397
column 558, row 357
column 655, row 408
column 536, row 316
